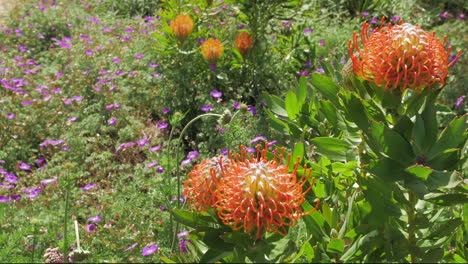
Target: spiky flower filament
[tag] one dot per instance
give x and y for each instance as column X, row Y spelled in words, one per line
column 243, row 42
column 202, row 181
column 400, row 57
column 181, row 27
column 212, row 49
column 260, row 195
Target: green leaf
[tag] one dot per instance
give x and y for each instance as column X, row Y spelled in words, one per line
column 452, row 137
column 275, row 104
column 212, row 256
column 335, row 245
column 447, row 199
column 194, row 219
column 330, row 112
column 307, row 250
column 355, row 109
column 433, row 255
column 392, row 143
column 374, row 111
column 326, row 86
column 445, row 229
column 166, row 260
column 364, row 241
column 387, row 169
column 333, row 148
column 314, row 222
column 447, row 160
column 425, row 129
column 301, row 91
column 298, row 152
column 440, row 179
column 292, row 106
column 419, row 171
column 213, row 239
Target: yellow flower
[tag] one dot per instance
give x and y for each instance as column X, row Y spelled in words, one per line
column 181, row 27
column 400, row 57
column 212, row 49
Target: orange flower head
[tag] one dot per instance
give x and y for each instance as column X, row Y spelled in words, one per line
column 181, row 27
column 243, row 42
column 260, row 195
column 200, row 187
column 400, row 57
column 212, row 49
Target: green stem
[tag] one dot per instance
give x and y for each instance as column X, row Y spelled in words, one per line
column 348, row 214
column 177, row 165
column 65, row 218
column 411, row 226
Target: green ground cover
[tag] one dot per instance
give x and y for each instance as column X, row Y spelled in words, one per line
column 104, row 112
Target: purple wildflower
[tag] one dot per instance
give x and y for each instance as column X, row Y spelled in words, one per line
column 149, row 250
column 24, row 166
column 444, row 14
column 87, row 187
column 95, row 219
column 252, row 109
column 160, row 169
column 155, row 148
column 257, row 138
column 153, row 65
column 73, row 119
column 162, row 125
column 142, row 142
column 183, row 244
column 32, row 193
column 307, row 30
column 139, row 56
column 48, row 181
column 322, row 43
column 90, row 227
column 365, row 13
column 303, row 73
column 216, row 94
column 151, row 164
column 206, row 108
column 459, row 101
column 11, row 178
column 131, row 247
column 4, row 199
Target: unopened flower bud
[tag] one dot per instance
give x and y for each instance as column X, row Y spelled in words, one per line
column 226, row 118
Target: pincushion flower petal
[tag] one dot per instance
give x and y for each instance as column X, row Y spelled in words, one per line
column 201, row 184
column 243, row 43
column 212, row 49
column 181, row 27
column 259, row 195
column 402, row 56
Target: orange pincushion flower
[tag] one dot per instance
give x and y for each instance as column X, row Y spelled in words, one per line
column 201, row 185
column 182, row 26
column 400, row 57
column 243, row 42
column 258, row 195
column 212, row 49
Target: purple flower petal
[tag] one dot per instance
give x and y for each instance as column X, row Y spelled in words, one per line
column 90, row 227
column 162, row 125
column 11, row 178
column 24, row 166
column 151, row 164
column 142, row 142
column 47, row 181
column 4, row 199
column 206, row 108
column 216, row 94
column 131, row 247
column 87, row 187
column 149, row 250
column 155, row 148
column 95, row 219
column 257, row 138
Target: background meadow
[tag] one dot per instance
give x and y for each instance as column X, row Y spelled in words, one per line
column 100, row 122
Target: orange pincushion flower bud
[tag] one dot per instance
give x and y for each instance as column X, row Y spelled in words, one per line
column 212, row 49
column 201, row 185
column 243, row 42
column 260, row 195
column 182, row 26
column 400, row 57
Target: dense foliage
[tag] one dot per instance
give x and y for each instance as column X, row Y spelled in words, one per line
column 159, row 131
